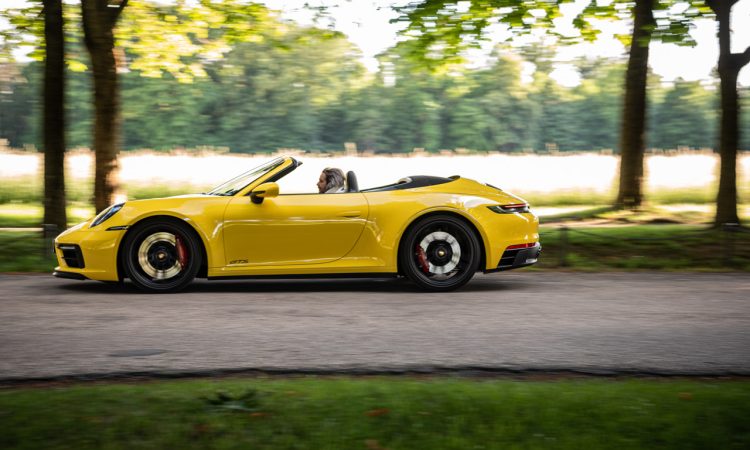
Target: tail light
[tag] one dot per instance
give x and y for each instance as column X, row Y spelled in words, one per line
column 529, row 245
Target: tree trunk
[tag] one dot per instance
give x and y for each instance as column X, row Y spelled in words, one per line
column 633, row 126
column 726, row 200
column 98, row 25
column 729, row 67
column 54, row 116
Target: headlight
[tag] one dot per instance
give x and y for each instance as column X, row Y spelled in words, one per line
column 510, row 209
column 106, row 214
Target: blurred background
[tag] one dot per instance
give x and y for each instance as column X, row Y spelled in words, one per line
column 620, row 121
column 597, row 112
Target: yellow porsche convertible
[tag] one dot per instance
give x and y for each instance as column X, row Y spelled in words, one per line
column 436, row 231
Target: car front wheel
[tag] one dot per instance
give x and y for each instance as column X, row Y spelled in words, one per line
column 162, row 256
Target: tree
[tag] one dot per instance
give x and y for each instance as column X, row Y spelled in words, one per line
column 633, row 125
column 54, row 115
column 492, row 110
column 730, row 65
column 99, row 20
column 445, row 27
column 25, row 22
column 684, row 117
column 175, row 39
column 598, row 104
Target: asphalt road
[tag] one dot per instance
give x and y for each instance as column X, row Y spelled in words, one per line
column 591, row 322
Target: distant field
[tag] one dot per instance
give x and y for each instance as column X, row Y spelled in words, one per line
column 545, row 180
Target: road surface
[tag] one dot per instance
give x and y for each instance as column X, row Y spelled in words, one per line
column 662, row 323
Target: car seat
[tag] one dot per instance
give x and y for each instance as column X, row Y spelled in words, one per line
column 351, row 182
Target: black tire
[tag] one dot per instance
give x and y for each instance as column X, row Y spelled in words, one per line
column 448, row 260
column 161, row 255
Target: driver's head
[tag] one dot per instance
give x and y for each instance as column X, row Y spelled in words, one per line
column 330, row 180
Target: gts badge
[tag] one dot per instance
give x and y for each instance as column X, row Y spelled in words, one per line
column 238, row 261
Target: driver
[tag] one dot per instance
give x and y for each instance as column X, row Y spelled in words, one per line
column 331, row 181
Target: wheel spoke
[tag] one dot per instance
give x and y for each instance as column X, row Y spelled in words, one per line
column 159, row 256
column 438, row 253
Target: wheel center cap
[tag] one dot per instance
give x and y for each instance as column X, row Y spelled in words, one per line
column 161, row 255
column 441, row 252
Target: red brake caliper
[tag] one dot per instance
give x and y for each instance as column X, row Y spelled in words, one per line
column 422, row 257
column 182, row 253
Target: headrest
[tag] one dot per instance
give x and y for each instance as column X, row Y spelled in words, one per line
column 351, row 182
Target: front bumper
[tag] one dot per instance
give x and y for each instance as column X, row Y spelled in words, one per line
column 518, row 257
column 68, row 275
column 87, row 253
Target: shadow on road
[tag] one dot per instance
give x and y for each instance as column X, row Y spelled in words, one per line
column 388, row 285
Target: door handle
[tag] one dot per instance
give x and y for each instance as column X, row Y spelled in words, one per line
column 350, row 214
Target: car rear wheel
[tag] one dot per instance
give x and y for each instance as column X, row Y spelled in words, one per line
column 162, row 256
column 440, row 253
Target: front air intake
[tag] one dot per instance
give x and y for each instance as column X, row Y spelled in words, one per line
column 72, row 255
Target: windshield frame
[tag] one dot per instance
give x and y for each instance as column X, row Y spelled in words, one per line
column 245, row 179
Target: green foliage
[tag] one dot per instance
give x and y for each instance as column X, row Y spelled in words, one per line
column 744, row 124
column 280, row 85
column 26, row 26
column 442, row 30
column 179, row 38
column 247, row 401
column 686, row 116
column 311, row 93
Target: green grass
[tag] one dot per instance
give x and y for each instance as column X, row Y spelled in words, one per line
column 688, row 214
column 25, row 189
column 19, row 215
column 30, row 190
column 564, row 197
column 686, row 195
column 138, row 192
column 652, row 247
column 379, row 413
column 568, row 198
column 25, row 252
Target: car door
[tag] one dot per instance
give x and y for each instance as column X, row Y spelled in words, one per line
column 293, row 228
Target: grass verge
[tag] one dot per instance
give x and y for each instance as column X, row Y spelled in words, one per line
column 652, row 247
column 25, row 252
column 20, row 215
column 30, row 190
column 379, row 413
column 685, row 213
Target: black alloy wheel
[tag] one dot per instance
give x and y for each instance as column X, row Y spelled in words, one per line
column 440, row 253
column 161, row 256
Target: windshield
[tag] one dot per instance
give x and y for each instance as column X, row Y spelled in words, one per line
column 236, row 184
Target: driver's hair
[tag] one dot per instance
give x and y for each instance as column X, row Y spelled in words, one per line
column 334, row 178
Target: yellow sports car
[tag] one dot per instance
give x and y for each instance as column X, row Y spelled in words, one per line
column 436, row 231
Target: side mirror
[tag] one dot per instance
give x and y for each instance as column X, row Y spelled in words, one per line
column 265, row 190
